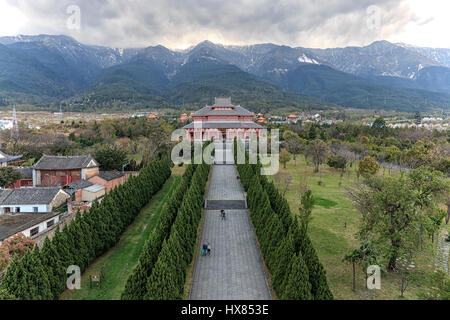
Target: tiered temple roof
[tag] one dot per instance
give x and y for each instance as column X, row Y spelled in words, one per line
column 225, row 125
column 220, row 117
column 223, row 107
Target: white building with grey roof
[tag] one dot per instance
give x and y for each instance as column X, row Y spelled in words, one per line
column 30, row 211
column 31, row 200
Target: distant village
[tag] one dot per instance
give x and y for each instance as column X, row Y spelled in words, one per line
column 257, row 117
column 429, row 123
column 426, row 122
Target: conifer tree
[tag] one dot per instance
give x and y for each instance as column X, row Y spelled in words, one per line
column 317, row 275
column 5, row 295
column 61, row 247
column 38, row 277
column 136, row 286
column 11, row 279
column 51, row 261
column 297, row 285
column 162, row 283
column 286, row 251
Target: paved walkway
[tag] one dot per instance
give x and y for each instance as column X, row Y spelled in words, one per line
column 224, row 153
column 224, row 184
column 234, row 271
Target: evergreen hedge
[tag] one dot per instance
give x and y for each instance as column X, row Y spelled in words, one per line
column 41, row 274
column 162, row 266
column 297, row 273
column 136, row 286
column 168, row 276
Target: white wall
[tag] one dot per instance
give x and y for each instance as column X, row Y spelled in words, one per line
column 26, row 208
column 42, row 226
column 35, row 178
column 92, row 196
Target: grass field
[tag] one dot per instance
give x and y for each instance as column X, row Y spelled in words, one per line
column 334, row 227
column 118, row 263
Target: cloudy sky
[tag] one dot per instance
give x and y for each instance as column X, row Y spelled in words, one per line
column 182, row 23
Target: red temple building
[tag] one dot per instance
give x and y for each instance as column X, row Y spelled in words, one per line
column 222, row 120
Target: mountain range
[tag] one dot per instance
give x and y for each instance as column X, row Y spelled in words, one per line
column 45, row 69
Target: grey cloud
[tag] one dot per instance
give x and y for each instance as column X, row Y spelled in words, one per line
column 178, row 23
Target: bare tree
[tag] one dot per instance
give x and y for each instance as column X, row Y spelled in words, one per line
column 283, row 181
column 318, row 151
column 295, row 146
column 287, row 181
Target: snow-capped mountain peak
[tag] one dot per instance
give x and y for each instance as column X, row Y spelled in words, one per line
column 304, row 59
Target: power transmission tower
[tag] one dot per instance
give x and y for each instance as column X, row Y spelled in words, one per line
column 15, row 128
column 61, row 119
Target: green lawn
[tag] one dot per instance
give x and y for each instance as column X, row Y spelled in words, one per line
column 118, row 263
column 334, row 227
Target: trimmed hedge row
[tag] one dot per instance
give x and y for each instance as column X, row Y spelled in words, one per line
column 168, row 276
column 41, row 274
column 136, row 286
column 297, row 273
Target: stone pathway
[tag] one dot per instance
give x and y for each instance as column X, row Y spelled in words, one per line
column 224, row 153
column 443, row 249
column 234, row 271
column 224, row 184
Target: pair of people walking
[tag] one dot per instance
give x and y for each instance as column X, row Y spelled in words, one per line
column 206, row 249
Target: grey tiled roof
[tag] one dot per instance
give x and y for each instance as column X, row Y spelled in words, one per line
column 226, row 125
column 80, row 184
column 223, row 102
column 64, row 163
column 95, row 188
column 12, row 224
column 110, row 175
column 28, row 196
column 4, row 194
column 236, row 111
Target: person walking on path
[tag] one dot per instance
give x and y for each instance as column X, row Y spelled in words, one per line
column 222, row 214
column 204, row 249
column 208, row 248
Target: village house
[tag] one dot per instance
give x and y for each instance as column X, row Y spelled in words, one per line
column 75, row 189
column 31, row 225
column 92, row 193
column 82, row 194
column 108, row 179
column 30, row 211
column 60, row 171
column 31, row 200
column 6, row 159
column 6, row 124
column 26, row 180
column 84, row 191
column 292, row 118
